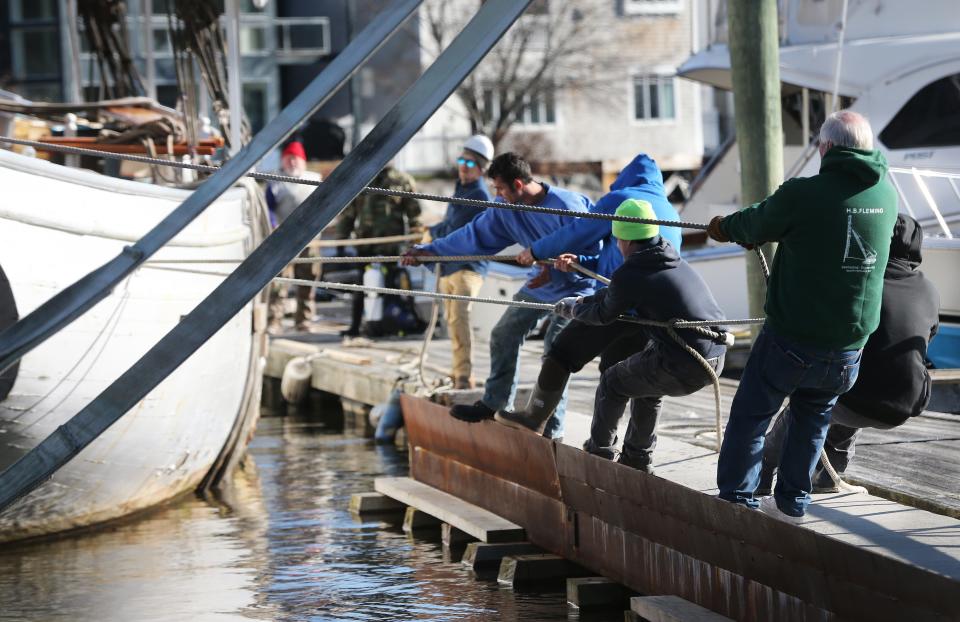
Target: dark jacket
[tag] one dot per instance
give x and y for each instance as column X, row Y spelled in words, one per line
column 654, row 283
column 833, row 228
column 457, row 216
column 893, row 384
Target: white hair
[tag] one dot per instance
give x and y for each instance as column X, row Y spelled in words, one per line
column 846, row 128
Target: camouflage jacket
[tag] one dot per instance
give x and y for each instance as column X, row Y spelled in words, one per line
column 374, row 215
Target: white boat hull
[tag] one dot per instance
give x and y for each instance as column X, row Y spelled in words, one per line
column 56, row 225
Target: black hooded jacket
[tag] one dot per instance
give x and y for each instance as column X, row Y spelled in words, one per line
column 655, row 283
column 893, row 384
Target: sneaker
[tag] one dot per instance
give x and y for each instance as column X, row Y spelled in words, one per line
column 350, row 332
column 640, row 463
column 472, row 413
column 768, row 505
column 607, row 453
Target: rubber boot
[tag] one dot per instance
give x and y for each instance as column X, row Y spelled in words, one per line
column 543, row 401
column 607, row 453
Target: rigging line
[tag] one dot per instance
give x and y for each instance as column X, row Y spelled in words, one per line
column 518, row 207
column 87, row 351
column 702, row 326
column 539, row 306
column 118, row 312
column 368, row 259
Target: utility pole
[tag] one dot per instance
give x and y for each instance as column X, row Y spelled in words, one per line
column 755, row 69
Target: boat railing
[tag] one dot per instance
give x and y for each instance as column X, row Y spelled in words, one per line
column 944, row 186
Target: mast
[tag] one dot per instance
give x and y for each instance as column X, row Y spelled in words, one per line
column 234, row 85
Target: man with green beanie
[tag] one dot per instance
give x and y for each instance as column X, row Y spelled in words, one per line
column 653, row 283
column 823, row 301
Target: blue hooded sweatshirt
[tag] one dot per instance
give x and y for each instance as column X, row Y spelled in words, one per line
column 641, row 179
column 457, row 216
column 496, row 229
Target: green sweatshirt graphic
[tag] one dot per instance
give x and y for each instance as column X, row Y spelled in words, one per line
column 834, row 232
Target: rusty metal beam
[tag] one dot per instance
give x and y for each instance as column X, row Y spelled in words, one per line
column 660, row 537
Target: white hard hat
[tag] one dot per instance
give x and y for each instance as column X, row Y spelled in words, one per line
column 478, row 143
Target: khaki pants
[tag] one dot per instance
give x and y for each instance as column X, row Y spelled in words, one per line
column 463, row 283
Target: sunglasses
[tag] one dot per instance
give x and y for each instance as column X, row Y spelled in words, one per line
column 466, row 162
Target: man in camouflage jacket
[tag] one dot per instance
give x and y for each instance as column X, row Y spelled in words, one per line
column 374, row 216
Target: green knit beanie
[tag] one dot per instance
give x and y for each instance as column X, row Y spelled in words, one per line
column 635, row 230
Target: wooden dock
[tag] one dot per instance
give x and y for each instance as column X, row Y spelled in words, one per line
column 917, row 464
column 855, row 556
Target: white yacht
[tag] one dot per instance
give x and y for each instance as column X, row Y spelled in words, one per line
column 900, row 67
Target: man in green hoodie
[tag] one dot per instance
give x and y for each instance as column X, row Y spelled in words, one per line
column 823, row 301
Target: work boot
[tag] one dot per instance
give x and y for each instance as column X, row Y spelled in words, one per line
column 472, row 413
column 607, row 453
column 640, row 462
column 823, row 483
column 536, row 414
column 543, row 401
column 765, row 487
column 464, row 382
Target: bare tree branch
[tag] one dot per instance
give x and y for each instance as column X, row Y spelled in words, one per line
column 558, row 45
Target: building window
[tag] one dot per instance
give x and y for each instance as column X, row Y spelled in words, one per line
column 32, row 10
column 537, row 110
column 255, row 104
column 930, row 119
column 652, row 7
column 303, row 36
column 653, row 98
column 253, row 40
column 35, row 52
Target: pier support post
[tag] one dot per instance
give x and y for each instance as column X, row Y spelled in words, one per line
column 755, row 72
column 414, row 520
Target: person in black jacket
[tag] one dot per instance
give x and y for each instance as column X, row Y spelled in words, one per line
column 894, row 383
column 653, row 283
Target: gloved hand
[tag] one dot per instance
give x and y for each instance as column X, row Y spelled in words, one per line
column 564, row 307
column 715, row 232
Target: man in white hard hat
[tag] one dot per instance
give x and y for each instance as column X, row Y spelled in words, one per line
column 466, row 278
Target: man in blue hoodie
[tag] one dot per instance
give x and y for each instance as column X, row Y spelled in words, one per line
column 493, row 231
column 580, row 343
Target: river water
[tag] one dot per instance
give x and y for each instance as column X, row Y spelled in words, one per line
column 280, row 545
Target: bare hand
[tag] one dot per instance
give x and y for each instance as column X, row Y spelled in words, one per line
column 564, row 261
column 526, row 258
column 541, row 279
column 715, row 232
column 410, row 257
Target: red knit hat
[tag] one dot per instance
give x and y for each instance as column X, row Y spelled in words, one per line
column 295, row 148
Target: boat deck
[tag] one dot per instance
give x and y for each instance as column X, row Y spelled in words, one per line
column 917, row 464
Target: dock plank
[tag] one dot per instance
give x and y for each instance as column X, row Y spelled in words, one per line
column 482, row 524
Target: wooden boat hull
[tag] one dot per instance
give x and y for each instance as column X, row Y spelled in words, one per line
column 57, row 224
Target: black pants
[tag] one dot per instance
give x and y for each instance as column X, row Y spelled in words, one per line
column 579, row 343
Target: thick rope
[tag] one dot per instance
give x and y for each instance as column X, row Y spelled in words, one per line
column 369, row 190
column 364, row 260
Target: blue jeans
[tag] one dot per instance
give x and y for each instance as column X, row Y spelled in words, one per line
column 500, row 389
column 813, row 378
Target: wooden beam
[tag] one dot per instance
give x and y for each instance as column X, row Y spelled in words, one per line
column 476, row 521
column 672, row 609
